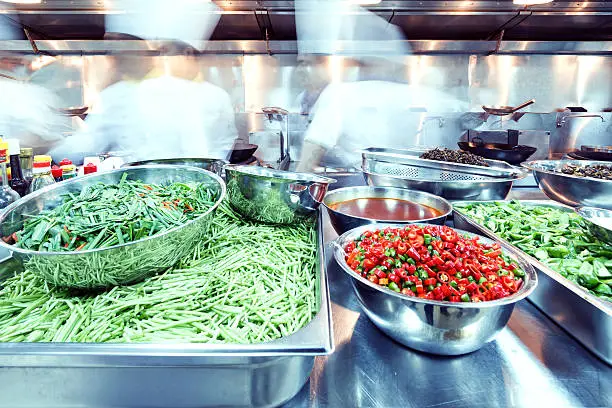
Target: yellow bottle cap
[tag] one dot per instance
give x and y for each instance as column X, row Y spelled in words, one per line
column 41, row 158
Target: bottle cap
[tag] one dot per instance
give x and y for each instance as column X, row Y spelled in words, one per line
column 41, row 161
column 26, row 151
column 68, row 167
column 57, row 172
column 90, row 168
column 65, row 162
column 13, row 146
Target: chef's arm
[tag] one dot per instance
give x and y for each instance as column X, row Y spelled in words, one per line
column 311, row 156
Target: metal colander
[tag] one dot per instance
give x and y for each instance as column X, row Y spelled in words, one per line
column 406, row 163
column 420, row 173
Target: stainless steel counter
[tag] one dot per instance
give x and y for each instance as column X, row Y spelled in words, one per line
column 532, row 362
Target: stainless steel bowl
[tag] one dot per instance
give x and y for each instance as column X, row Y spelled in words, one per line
column 274, row 196
column 213, row 165
column 119, row 264
column 593, row 220
column 343, row 222
column 436, row 327
column 571, row 190
column 485, row 189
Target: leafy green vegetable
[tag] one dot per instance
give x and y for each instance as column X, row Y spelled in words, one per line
column 555, row 237
column 245, row 283
column 104, row 215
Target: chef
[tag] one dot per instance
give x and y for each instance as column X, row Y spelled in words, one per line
column 28, row 112
column 375, row 110
column 170, row 111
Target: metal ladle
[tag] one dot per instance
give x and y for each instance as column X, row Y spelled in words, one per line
column 506, row 110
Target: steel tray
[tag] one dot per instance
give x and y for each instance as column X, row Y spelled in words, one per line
column 584, row 316
column 167, row 375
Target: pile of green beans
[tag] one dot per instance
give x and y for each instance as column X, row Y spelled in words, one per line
column 246, row 283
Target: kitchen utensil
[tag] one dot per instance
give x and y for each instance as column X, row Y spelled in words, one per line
column 499, row 151
column 506, row 110
column 568, row 189
column 598, row 221
column 168, row 375
column 603, row 153
column 431, row 326
column 241, row 152
column 118, row 264
column 343, row 222
column 274, row 196
column 407, row 163
column 581, row 314
column 212, row 165
column 376, row 174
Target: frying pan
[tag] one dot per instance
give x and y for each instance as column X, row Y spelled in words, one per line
column 242, row 152
column 499, row 151
column 505, row 110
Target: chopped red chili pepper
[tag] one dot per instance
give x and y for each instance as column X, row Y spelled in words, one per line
column 450, row 267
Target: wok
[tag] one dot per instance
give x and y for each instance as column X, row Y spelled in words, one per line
column 499, row 151
column 506, row 110
column 242, row 152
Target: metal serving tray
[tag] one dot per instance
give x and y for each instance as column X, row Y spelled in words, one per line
column 584, row 316
column 167, row 375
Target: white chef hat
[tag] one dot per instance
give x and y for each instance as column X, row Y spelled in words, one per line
column 333, row 27
column 188, row 21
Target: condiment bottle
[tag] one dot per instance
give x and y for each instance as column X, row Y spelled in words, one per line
column 90, row 168
column 57, row 173
column 7, row 194
column 18, row 182
column 42, row 173
column 25, row 156
column 68, row 171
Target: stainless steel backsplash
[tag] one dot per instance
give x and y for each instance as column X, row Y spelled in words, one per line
column 465, row 82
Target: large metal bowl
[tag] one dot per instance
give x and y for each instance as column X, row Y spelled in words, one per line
column 213, row 165
column 343, row 222
column 485, row 189
column 436, row 327
column 568, row 189
column 592, row 218
column 274, row 196
column 119, row 264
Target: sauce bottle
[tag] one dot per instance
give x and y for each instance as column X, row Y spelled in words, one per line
column 18, row 182
column 42, row 173
column 7, row 194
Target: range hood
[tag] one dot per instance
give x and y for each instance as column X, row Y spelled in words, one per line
column 275, row 20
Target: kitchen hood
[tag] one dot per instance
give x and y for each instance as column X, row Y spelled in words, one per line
column 275, row 20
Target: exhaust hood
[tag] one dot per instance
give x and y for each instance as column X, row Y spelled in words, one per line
column 275, row 20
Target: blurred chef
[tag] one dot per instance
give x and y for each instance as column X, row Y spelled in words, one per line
column 376, row 109
column 169, row 111
column 28, row 112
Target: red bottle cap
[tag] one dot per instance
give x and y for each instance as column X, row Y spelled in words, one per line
column 65, row 162
column 56, row 172
column 90, row 168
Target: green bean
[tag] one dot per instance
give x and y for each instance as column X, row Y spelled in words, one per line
column 246, row 283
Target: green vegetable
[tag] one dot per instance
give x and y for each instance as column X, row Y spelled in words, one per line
column 555, row 237
column 245, row 283
column 103, row 215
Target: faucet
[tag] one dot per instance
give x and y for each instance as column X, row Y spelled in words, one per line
column 562, row 119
